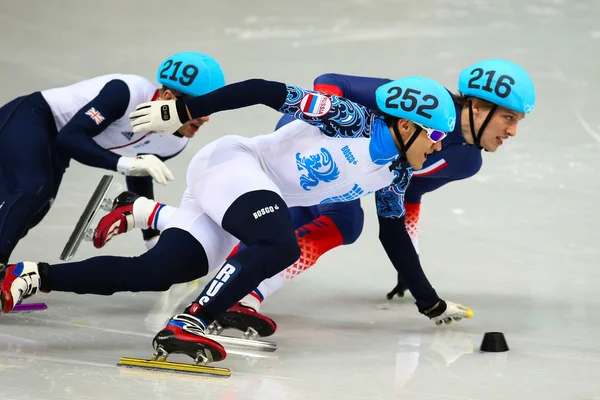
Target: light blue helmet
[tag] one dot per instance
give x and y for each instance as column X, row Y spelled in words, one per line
column 190, row 73
column 420, row 100
column 500, row 82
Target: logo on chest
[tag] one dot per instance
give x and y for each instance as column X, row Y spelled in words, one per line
column 127, row 135
column 319, row 168
column 349, row 156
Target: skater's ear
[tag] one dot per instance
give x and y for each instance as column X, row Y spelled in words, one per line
column 167, row 94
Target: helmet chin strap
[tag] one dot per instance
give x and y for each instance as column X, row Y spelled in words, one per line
column 477, row 136
column 401, row 146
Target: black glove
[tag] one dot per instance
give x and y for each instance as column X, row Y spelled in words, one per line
column 398, row 290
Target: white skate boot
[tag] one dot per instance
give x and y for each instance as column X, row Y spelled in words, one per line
column 17, row 282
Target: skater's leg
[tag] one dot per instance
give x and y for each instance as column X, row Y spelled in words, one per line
column 232, row 189
column 237, row 194
column 300, row 217
column 143, row 186
column 177, row 258
column 181, row 257
column 271, row 245
column 336, row 224
column 26, row 159
column 131, row 211
column 59, row 171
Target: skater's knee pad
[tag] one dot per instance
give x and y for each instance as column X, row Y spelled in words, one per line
column 348, row 217
column 260, row 215
column 261, row 220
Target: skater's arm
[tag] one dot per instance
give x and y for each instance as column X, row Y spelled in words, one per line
column 334, row 116
column 360, row 89
column 75, row 139
column 400, row 250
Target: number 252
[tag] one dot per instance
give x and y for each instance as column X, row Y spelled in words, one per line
column 410, row 101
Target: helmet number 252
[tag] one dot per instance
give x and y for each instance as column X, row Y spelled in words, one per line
column 410, row 101
column 189, row 72
column 502, row 87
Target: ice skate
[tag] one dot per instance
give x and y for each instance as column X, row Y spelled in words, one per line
column 250, row 322
column 18, row 282
column 82, row 228
column 129, row 211
column 184, row 334
column 119, row 220
column 245, row 319
column 398, row 290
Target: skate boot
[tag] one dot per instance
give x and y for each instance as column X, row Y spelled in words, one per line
column 245, row 319
column 17, row 282
column 185, row 334
column 116, row 222
column 129, row 211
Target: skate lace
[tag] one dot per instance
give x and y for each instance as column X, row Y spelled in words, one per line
column 30, row 289
column 192, row 324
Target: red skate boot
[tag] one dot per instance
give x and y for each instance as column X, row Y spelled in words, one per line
column 185, row 334
column 116, row 222
column 245, row 319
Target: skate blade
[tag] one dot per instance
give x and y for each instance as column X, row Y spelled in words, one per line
column 173, row 367
column 96, row 202
column 28, row 307
column 251, row 344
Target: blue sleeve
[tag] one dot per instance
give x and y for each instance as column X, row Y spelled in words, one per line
column 390, row 200
column 403, row 256
column 419, row 186
column 75, row 138
column 359, row 89
column 334, row 116
column 390, row 203
column 454, row 162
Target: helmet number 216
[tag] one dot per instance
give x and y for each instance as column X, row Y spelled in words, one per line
column 502, row 87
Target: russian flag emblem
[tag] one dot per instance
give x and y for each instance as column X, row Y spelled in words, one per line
column 315, row 105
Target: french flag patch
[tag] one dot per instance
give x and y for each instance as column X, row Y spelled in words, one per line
column 95, row 115
column 315, row 105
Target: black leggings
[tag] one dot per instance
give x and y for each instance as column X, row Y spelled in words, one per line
column 177, row 257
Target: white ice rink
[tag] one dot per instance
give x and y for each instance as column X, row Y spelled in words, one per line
column 518, row 243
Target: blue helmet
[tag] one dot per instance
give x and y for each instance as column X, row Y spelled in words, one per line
column 420, row 100
column 190, row 73
column 500, row 82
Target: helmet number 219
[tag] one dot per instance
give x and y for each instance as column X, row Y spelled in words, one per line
column 189, row 72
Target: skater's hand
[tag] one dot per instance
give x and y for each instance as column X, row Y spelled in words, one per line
column 398, row 290
column 145, row 165
column 447, row 311
column 160, row 116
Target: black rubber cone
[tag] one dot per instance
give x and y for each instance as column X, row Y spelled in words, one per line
column 494, row 342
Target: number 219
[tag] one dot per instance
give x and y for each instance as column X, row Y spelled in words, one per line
column 189, row 72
